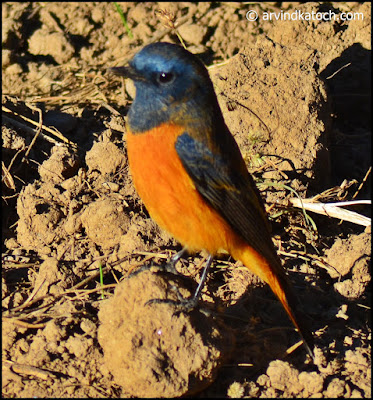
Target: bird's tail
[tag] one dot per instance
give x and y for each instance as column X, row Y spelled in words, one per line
column 273, row 274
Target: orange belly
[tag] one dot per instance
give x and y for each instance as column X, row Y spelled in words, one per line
column 169, row 193
column 174, row 203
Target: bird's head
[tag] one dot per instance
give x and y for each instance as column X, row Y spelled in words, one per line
column 172, row 85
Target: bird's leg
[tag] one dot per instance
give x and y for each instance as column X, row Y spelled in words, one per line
column 197, row 293
column 190, row 303
column 170, row 266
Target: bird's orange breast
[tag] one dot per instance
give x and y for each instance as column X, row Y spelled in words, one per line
column 168, row 191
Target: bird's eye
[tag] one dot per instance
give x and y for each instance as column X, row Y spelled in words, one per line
column 165, row 77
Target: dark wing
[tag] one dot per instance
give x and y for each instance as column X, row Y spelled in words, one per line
column 229, row 191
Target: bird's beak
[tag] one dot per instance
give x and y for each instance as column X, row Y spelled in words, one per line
column 126, row 72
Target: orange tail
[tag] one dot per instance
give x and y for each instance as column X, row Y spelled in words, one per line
column 275, row 276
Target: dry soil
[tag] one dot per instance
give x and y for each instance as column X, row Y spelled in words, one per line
column 296, row 96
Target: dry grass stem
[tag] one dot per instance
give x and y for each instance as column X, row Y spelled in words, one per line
column 333, row 210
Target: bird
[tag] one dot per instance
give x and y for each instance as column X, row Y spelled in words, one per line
column 189, row 172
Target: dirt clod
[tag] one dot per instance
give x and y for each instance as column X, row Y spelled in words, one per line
column 155, row 350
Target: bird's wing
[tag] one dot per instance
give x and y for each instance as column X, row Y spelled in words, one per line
column 228, row 191
column 221, row 182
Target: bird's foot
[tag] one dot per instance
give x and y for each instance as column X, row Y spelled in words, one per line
column 181, row 304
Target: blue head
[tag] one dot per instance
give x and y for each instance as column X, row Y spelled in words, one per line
column 172, row 85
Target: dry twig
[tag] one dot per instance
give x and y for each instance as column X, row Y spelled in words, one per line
column 333, row 209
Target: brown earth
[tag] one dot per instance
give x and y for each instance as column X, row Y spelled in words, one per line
column 296, row 96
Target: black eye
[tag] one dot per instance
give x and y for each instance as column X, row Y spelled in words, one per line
column 165, row 77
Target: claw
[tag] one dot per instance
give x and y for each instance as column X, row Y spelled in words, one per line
column 182, row 303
